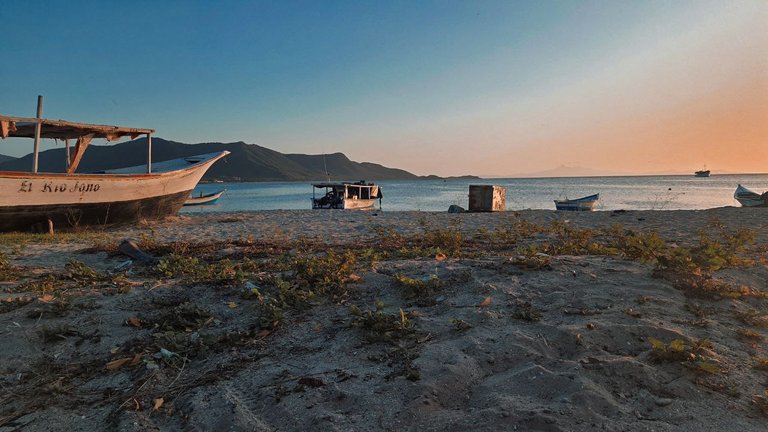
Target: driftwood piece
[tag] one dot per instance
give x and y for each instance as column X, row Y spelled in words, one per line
column 130, row 248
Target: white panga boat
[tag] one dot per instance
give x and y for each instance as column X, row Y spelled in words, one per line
column 586, row 203
column 348, row 196
column 748, row 198
column 203, row 199
column 40, row 201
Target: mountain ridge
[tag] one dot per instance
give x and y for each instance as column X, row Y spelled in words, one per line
column 247, row 162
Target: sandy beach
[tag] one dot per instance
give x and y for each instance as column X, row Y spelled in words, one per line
column 358, row 321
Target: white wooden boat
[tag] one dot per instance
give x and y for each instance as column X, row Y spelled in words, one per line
column 203, row 199
column 748, row 198
column 39, row 201
column 348, row 196
column 586, row 203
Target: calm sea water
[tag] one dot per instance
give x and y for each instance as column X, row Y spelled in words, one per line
column 630, row 193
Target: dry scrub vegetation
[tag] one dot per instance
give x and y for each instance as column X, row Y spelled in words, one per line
column 215, row 307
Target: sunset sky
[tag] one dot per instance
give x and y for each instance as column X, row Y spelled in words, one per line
column 490, row 88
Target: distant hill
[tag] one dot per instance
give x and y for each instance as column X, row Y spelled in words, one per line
column 248, row 162
column 464, row 177
column 4, row 158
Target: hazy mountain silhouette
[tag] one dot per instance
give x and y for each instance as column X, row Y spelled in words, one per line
column 572, row 171
column 248, row 162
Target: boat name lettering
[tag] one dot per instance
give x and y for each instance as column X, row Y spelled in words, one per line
column 26, row 186
column 85, row 187
column 50, row 187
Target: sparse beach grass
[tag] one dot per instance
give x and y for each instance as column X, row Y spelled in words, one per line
column 696, row 302
column 15, row 239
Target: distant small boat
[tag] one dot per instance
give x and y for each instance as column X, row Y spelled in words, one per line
column 702, row 173
column 748, row 198
column 586, row 203
column 347, row 196
column 203, row 199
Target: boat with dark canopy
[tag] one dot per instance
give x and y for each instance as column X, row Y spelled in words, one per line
column 345, row 195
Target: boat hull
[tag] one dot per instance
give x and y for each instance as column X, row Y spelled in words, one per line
column 575, row 206
column 581, row 204
column 346, row 204
column 748, row 198
column 746, row 202
column 69, row 201
column 69, row 216
column 359, row 204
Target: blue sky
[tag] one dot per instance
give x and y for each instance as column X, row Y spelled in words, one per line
column 445, row 87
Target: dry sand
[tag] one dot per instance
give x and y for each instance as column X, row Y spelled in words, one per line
column 496, row 347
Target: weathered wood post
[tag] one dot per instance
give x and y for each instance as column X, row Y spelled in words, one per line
column 66, row 144
column 149, row 153
column 38, row 127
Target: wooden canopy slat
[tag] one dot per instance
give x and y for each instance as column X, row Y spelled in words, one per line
column 62, row 129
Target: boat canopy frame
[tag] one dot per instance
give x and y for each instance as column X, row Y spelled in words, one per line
column 83, row 133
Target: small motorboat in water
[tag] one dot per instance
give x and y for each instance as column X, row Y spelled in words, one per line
column 748, row 198
column 586, row 203
column 348, row 196
column 203, row 199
